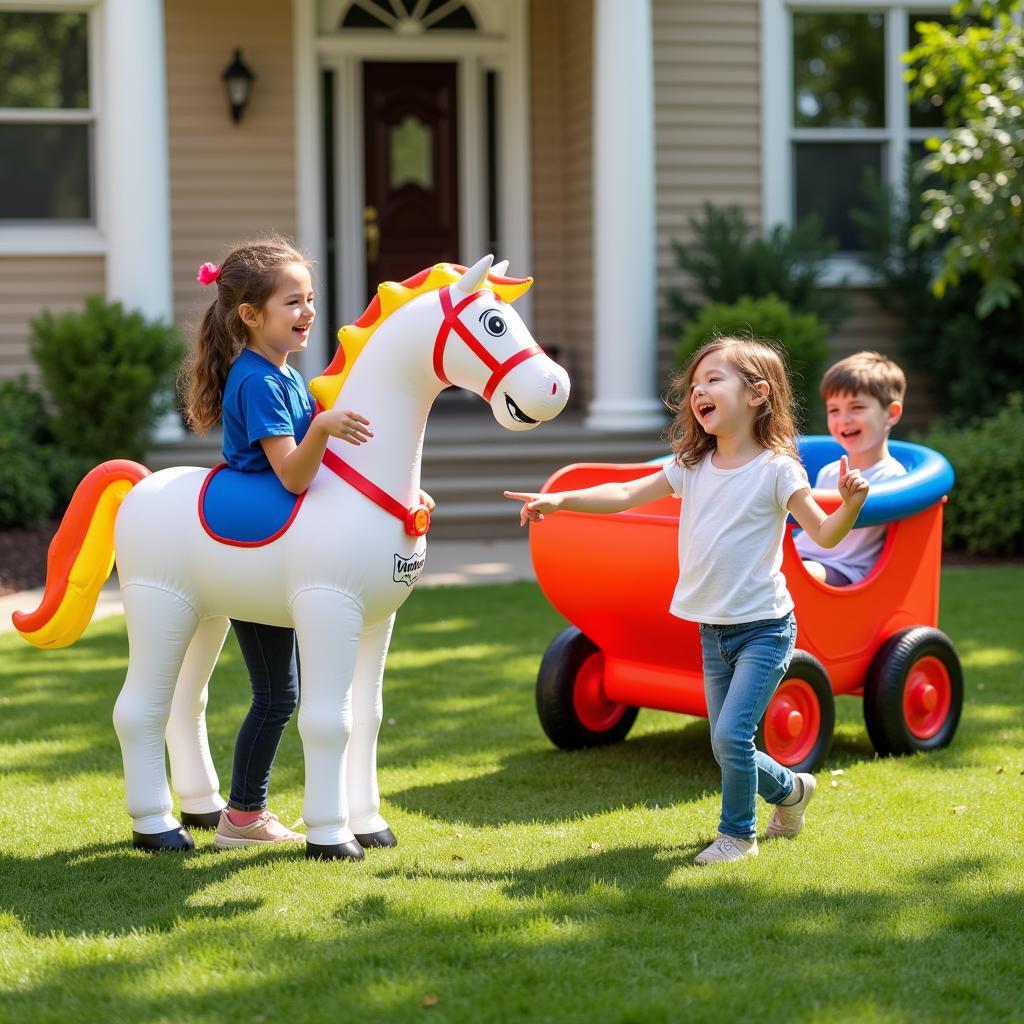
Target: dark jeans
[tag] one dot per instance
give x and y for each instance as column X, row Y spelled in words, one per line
column 272, row 660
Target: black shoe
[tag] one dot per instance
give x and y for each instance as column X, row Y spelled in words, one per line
column 203, row 820
column 372, row 839
column 335, row 851
column 173, row 839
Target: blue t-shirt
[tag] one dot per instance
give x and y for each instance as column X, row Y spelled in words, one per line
column 261, row 400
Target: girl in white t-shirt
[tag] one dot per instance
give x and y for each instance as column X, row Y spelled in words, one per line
column 737, row 470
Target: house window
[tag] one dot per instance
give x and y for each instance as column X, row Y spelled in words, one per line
column 842, row 109
column 47, row 119
column 408, row 16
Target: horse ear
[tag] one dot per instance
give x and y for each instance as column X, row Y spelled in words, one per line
column 498, row 270
column 473, row 278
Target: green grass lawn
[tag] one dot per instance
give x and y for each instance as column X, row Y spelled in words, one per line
column 530, row 884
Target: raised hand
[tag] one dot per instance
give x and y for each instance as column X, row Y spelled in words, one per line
column 535, row 506
column 345, row 425
column 853, row 488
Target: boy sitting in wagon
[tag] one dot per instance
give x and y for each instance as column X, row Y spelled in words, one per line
column 864, row 400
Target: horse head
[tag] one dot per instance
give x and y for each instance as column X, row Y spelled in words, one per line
column 483, row 346
column 479, row 342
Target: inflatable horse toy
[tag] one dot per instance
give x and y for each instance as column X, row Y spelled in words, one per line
column 196, row 547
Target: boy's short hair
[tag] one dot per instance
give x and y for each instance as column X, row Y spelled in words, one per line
column 872, row 372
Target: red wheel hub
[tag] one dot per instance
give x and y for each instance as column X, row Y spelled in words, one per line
column 792, row 722
column 927, row 697
column 593, row 708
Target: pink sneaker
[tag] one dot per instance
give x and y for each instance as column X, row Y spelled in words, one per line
column 264, row 830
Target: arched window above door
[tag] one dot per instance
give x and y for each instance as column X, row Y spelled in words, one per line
column 404, row 17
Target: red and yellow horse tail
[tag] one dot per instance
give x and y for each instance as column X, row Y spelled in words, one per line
column 81, row 556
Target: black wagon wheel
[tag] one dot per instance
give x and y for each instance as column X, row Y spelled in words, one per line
column 797, row 726
column 571, row 703
column 914, row 692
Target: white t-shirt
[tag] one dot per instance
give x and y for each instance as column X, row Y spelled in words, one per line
column 855, row 555
column 731, row 526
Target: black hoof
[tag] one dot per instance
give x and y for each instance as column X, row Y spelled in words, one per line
column 335, row 851
column 207, row 819
column 172, row 839
column 371, row 839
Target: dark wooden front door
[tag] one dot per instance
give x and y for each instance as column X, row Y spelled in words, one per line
column 411, row 213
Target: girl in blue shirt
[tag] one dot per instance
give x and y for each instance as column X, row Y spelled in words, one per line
column 238, row 372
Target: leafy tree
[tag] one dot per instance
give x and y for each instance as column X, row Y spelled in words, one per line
column 971, row 364
column 976, row 210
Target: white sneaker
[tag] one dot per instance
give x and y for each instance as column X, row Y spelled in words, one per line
column 786, row 822
column 726, row 848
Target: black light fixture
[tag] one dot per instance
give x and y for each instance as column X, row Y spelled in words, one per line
column 238, row 78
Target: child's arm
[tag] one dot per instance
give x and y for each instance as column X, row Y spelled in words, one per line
column 613, row 497
column 828, row 531
column 297, row 464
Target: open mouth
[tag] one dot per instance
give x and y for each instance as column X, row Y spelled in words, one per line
column 302, row 329
column 705, row 409
column 516, row 413
column 847, row 434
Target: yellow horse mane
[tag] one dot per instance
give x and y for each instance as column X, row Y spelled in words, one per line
column 391, row 296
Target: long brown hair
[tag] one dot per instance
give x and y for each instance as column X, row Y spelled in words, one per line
column 249, row 274
column 756, row 361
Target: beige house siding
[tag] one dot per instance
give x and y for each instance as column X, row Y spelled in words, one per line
column 228, row 182
column 29, row 284
column 561, row 101
column 707, row 124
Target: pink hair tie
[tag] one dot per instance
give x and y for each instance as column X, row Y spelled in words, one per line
column 208, row 273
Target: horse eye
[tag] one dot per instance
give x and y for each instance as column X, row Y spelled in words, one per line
column 494, row 325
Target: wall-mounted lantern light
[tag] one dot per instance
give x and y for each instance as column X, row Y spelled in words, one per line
column 238, row 78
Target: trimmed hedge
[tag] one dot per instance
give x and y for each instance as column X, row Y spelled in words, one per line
column 985, row 511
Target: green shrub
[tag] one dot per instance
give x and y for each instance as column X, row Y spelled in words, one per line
column 37, row 475
column 26, row 497
column 802, row 335
column 109, row 374
column 23, row 412
column 985, row 511
column 726, row 264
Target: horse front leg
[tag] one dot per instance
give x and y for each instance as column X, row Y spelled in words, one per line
column 193, row 775
column 328, row 624
column 367, row 710
column 160, row 627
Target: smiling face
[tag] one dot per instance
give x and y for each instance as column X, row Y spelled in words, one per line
column 720, row 399
column 861, row 424
column 282, row 325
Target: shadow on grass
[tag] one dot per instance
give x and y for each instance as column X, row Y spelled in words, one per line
column 108, row 888
column 543, row 953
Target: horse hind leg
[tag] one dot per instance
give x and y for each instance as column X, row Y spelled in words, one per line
column 193, row 775
column 328, row 624
column 160, row 627
column 370, row 828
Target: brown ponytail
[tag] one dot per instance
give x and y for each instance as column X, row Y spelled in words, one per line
column 248, row 275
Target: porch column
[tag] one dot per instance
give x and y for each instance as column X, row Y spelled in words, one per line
column 625, row 311
column 136, row 212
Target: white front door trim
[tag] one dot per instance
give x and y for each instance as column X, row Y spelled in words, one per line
column 473, row 53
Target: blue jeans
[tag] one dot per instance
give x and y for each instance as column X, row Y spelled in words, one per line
column 270, row 656
column 743, row 666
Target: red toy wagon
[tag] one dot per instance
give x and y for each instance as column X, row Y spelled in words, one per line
column 613, row 576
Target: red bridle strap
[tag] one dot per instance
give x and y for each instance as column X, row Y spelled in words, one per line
column 415, row 519
column 452, row 322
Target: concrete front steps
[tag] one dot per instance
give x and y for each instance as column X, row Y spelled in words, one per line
column 469, row 460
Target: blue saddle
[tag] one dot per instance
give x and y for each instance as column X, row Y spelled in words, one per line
column 246, row 509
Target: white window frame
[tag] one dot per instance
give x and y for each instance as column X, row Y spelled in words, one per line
column 45, row 238
column 778, row 133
